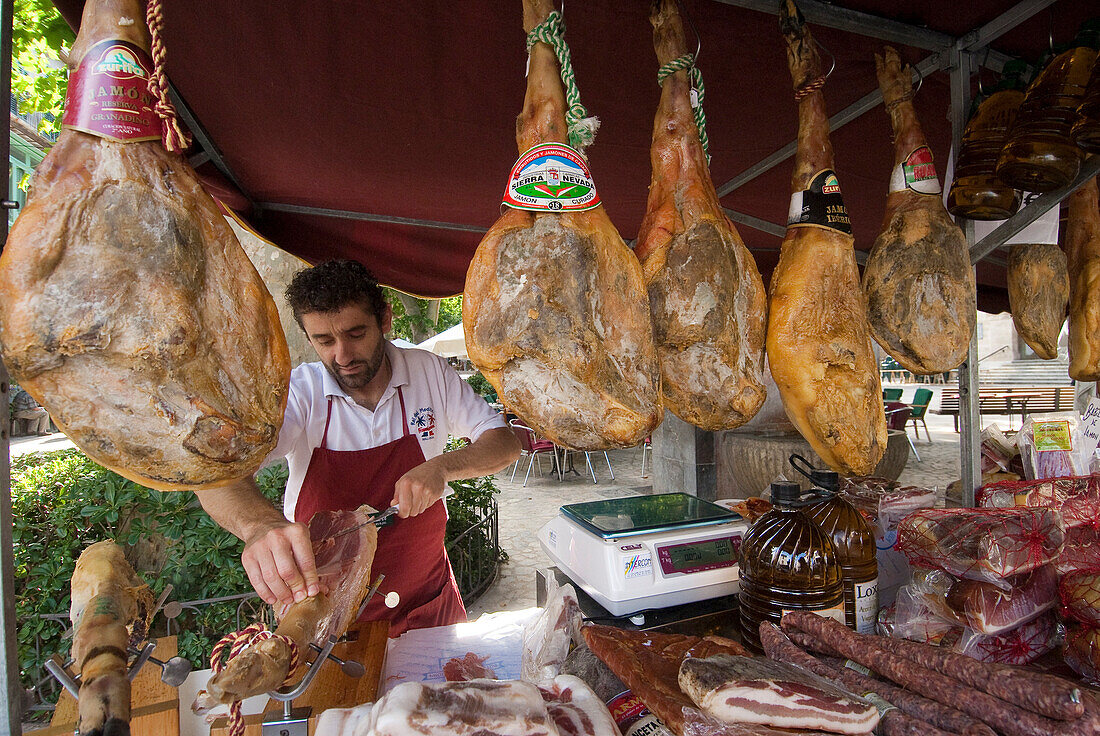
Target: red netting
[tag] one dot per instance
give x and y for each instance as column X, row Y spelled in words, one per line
column 1081, row 550
column 1022, row 645
column 1082, row 651
column 1080, row 593
column 1077, row 498
column 982, row 544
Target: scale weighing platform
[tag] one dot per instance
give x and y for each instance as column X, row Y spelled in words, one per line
column 640, row 552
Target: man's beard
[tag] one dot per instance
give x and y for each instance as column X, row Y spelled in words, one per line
column 361, row 379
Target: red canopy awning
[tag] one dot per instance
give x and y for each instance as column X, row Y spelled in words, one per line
column 407, row 111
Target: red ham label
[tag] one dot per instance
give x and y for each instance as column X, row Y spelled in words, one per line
column 917, row 173
column 109, row 96
column 551, row 177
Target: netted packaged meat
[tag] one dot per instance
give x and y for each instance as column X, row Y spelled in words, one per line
column 982, row 607
column 1053, row 448
column 1081, row 550
column 997, row 450
column 1076, row 498
column 1080, row 594
column 1022, row 645
column 1082, row 651
column 982, row 544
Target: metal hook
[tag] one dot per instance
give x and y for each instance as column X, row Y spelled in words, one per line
column 920, row 79
column 832, row 66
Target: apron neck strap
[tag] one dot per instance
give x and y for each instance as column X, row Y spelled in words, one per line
column 404, row 419
column 328, row 418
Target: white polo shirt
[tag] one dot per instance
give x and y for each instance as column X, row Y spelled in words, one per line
column 437, row 403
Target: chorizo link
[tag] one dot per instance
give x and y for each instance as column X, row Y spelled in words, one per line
column 1004, row 717
column 1048, row 695
column 917, row 709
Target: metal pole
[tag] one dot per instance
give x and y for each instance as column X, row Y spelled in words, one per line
column 969, row 419
column 10, row 723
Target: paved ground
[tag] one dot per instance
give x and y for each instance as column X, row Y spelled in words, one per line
column 524, row 510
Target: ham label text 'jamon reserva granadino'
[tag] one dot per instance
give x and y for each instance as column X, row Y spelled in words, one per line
column 127, row 307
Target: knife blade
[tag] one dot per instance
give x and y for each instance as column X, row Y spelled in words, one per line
column 380, row 518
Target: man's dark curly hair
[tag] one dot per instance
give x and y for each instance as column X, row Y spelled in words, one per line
column 333, row 285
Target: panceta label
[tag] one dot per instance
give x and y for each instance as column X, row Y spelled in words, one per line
column 551, row 177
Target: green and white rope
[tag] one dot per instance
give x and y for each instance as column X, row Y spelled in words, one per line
column 582, row 127
column 687, row 61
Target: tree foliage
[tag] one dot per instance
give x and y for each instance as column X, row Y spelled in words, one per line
column 41, row 39
column 416, row 319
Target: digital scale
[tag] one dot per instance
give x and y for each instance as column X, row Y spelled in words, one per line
column 640, row 552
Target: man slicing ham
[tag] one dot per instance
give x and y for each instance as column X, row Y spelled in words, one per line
column 365, row 424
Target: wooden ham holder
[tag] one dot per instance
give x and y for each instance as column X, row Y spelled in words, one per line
column 332, row 688
column 154, row 705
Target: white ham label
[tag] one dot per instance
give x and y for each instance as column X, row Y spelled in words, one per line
column 551, row 177
column 917, row 172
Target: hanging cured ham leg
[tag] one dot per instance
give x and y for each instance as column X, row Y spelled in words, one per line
column 110, row 607
column 918, row 279
column 127, row 307
column 706, row 296
column 1083, row 259
column 555, row 309
column 819, row 344
column 1038, row 293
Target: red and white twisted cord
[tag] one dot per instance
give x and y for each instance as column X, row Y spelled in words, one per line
column 235, row 643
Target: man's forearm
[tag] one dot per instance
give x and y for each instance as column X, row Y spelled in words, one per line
column 240, row 508
column 493, row 450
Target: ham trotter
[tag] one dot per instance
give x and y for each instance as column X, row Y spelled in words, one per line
column 555, row 308
column 1082, row 244
column 110, row 609
column 920, row 716
column 343, row 566
column 706, row 296
column 918, row 279
column 736, row 689
column 1006, row 718
column 127, row 307
column 649, row 664
column 1038, row 295
column 819, row 342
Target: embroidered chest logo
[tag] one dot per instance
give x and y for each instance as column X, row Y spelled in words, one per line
column 423, row 421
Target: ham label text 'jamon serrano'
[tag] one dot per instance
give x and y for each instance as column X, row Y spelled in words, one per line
column 707, row 299
column 1083, row 261
column 555, row 308
column 1038, row 295
column 819, row 343
column 110, row 606
column 918, row 280
column 127, row 307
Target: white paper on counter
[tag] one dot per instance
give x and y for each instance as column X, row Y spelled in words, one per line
column 418, row 655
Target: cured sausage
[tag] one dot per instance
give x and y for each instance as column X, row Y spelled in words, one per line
column 1083, row 261
column 819, row 343
column 1006, row 718
column 555, row 309
column 918, row 278
column 1038, row 294
column 127, row 307
column 921, row 711
column 706, row 297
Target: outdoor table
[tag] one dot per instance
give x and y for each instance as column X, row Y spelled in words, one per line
column 1010, row 398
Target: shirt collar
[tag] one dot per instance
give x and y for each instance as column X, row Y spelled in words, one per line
column 399, row 376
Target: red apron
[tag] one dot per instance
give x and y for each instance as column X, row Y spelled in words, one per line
column 410, row 551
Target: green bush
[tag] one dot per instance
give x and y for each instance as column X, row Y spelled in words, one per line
column 484, row 389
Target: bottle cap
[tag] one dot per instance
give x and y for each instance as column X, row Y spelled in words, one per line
column 785, row 492
column 826, row 479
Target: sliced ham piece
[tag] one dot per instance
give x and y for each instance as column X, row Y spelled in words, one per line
column 469, row 667
column 343, row 566
column 1082, row 243
column 918, row 279
column 1038, row 295
column 575, row 709
column 555, row 308
column 757, row 690
column 131, row 313
column 819, row 343
column 110, row 609
column 706, row 297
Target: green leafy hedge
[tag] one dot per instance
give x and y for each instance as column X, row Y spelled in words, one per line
column 62, row 501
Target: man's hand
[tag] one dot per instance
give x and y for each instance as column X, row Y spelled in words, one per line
column 279, row 562
column 418, row 489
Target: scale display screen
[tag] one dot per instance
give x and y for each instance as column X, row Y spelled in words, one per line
column 618, row 517
column 706, row 554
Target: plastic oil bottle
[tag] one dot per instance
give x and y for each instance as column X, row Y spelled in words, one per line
column 786, row 563
column 977, row 193
column 1040, row 154
column 854, row 540
column 1086, row 131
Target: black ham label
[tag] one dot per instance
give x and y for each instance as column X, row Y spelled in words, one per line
column 109, row 96
column 820, row 205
